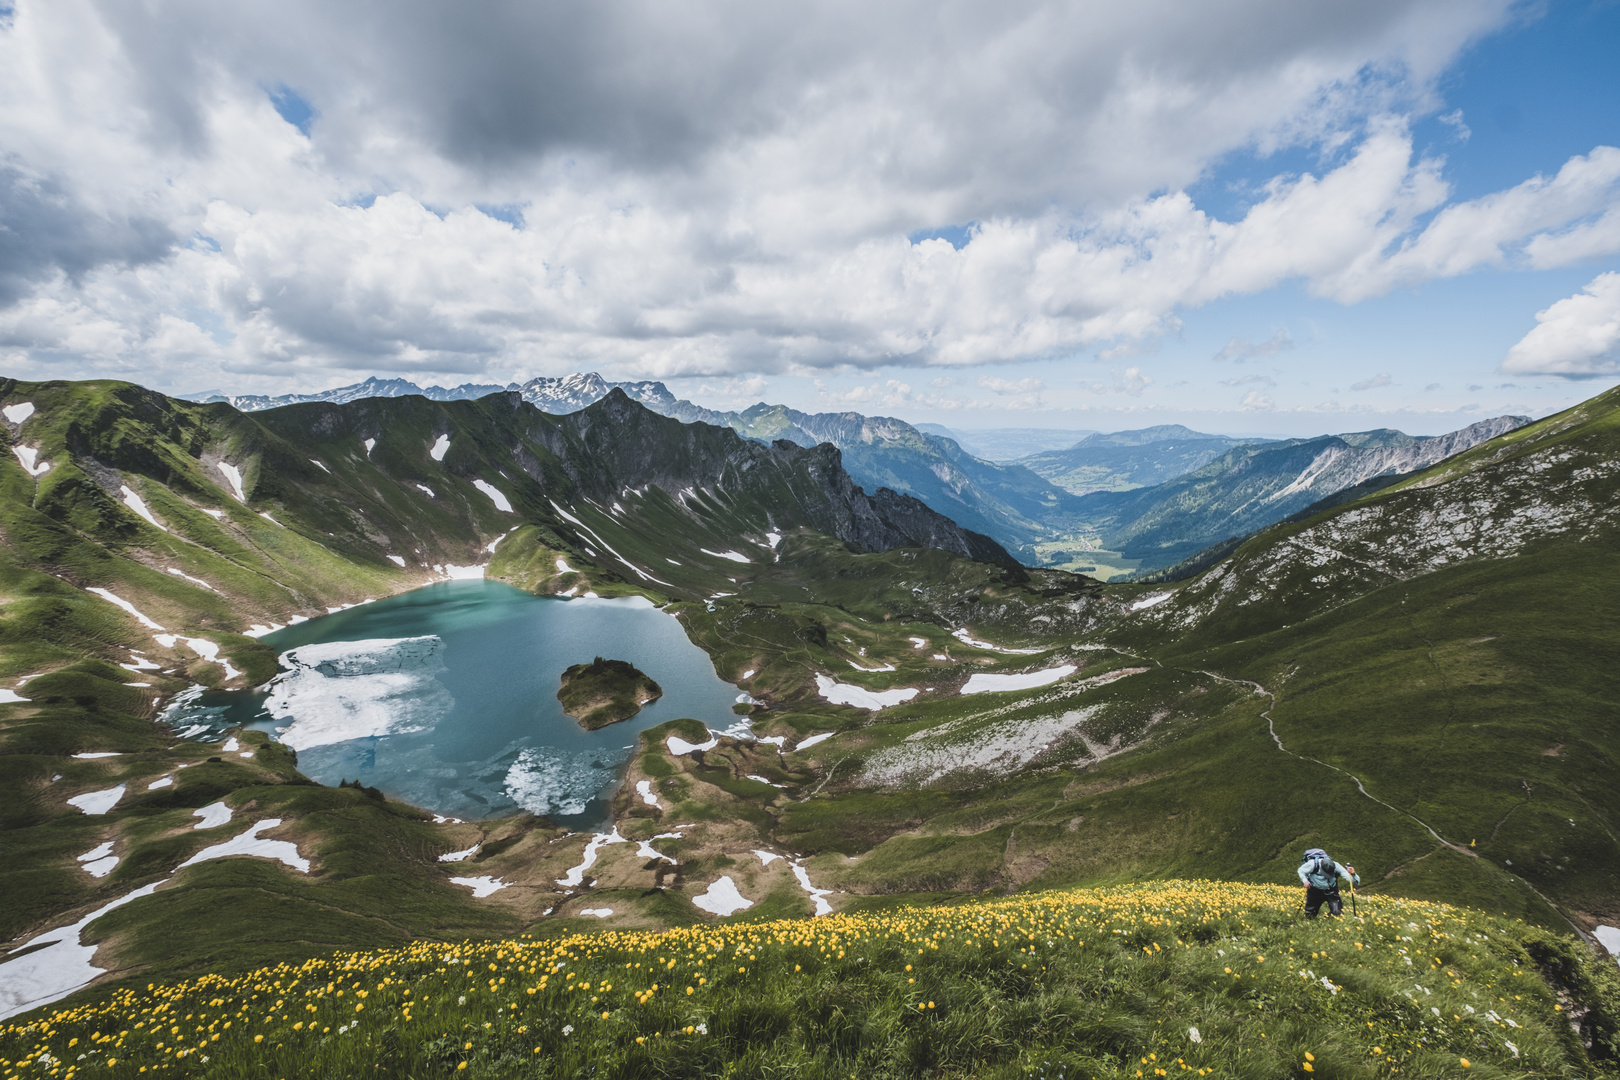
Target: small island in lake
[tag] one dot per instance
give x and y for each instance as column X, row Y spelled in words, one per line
column 604, row 692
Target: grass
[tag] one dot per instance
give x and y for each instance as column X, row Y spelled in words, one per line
column 1172, row 979
column 604, row 692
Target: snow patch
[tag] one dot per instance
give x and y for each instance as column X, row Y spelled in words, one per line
column 397, row 560
column 8, row 697
column 98, row 802
column 320, row 465
column 138, row 504
column 217, row 515
column 426, row 491
column 576, row 875
column 266, row 515
column 860, row 697
column 440, row 448
column 188, row 577
column 495, row 494
column 983, row 683
column 775, row 539
column 767, row 857
column 495, row 543
column 918, row 643
column 213, row 816
column 646, row 850
column 19, row 412
column 734, row 556
column 963, row 636
column 233, row 476
column 722, row 898
column 1151, row 601
column 1609, row 938
column 564, row 568
column 460, row 856
column 160, row 782
column 28, row 455
column 599, row 912
column 368, row 444
column 62, row 966
column 822, row 907
column 805, row 744
column 91, row 756
column 680, row 747
column 644, row 789
column 462, row 573
column 249, row 843
column 127, row 606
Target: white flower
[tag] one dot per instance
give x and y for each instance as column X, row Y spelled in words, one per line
column 1192, row 1033
column 702, row 1029
column 568, row 1029
column 462, row 1000
column 1511, row 1047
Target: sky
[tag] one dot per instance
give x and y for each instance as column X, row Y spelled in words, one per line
column 1249, row 216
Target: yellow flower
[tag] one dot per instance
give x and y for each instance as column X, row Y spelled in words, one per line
column 258, row 1038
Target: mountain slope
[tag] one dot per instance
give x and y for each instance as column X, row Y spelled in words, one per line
column 1253, row 485
column 1124, row 460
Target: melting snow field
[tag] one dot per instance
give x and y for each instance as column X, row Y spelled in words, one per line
column 9, row 696
column 441, row 447
column 127, row 606
column 460, row 856
column 249, row 843
column 1151, row 601
column 599, row 912
column 346, row 690
column 822, row 907
column 1029, row 680
column 860, row 697
column 644, row 789
column 98, row 802
column 734, row 556
column 28, row 455
column 481, row 886
column 722, row 898
column 495, row 494
column 213, row 816
column 576, row 875
column 137, row 504
column 965, row 638
column 19, row 412
column 679, row 746
column 233, row 476
column 99, row 860
column 805, row 744
column 1609, row 938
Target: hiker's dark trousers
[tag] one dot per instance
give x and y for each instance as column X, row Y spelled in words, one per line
column 1314, row 898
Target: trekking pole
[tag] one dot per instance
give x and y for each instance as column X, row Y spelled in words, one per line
column 1353, row 911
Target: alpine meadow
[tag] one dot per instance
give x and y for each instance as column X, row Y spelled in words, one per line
column 1048, row 540
column 968, row 817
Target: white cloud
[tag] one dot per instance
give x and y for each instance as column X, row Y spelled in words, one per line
column 722, row 192
column 1381, row 379
column 1578, row 336
column 1241, row 349
column 1255, row 401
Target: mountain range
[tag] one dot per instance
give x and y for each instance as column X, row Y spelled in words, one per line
column 1418, row 678
column 1207, row 488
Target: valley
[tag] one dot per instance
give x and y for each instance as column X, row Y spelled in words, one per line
column 1416, row 678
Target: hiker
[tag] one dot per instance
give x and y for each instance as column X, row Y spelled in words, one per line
column 1320, row 876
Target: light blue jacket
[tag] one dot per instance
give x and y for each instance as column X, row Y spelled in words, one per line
column 1323, row 873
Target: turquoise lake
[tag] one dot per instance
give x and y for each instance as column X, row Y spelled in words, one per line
column 445, row 697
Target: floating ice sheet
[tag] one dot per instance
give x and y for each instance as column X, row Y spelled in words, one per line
column 344, row 690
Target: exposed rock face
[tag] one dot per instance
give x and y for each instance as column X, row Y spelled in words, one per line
column 618, row 443
column 1253, row 486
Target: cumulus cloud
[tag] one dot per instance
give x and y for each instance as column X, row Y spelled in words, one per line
column 1578, row 337
column 294, row 189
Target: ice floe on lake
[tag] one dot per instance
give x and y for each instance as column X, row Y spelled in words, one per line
column 1028, row 680
column 546, row 780
column 861, row 698
column 343, row 690
column 98, row 802
column 722, row 898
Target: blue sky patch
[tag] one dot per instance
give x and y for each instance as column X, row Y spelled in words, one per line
column 292, row 107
